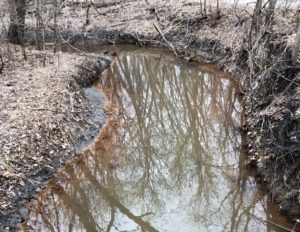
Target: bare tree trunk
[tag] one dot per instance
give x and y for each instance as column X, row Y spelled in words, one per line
column 204, row 7
column 40, row 29
column 17, row 21
column 257, row 15
column 270, row 13
column 297, row 18
column 256, row 22
column 1, row 64
column 201, row 7
column 55, row 25
column 296, row 47
column 88, row 5
column 218, row 9
column 285, row 8
column 38, row 25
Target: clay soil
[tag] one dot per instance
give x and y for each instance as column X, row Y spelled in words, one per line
column 38, row 117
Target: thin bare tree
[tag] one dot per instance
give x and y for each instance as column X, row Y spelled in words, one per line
column 87, row 18
column 218, row 9
column 56, row 10
column 17, row 10
column 256, row 22
column 296, row 47
column 1, row 64
column 270, row 13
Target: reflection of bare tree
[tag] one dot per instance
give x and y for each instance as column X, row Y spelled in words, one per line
column 172, row 133
column 115, row 204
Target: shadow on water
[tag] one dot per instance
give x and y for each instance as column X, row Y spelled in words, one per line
column 168, row 158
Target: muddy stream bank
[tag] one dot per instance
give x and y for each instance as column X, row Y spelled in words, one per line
column 45, row 119
column 170, row 156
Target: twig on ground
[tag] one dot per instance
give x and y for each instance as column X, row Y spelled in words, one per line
column 54, row 111
column 45, row 109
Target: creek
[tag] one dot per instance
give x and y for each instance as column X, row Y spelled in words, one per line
column 169, row 157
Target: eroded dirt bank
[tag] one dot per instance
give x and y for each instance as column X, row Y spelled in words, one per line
column 269, row 81
column 44, row 117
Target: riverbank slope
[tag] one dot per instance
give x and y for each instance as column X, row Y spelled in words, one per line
column 44, row 118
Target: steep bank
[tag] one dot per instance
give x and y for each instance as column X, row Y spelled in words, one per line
column 269, row 80
column 44, row 116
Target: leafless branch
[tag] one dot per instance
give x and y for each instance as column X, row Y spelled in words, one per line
column 164, row 38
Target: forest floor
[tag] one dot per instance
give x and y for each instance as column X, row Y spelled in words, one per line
column 43, row 119
column 272, row 104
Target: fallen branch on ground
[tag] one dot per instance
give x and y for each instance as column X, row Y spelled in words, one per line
column 74, row 48
column 164, row 38
column 144, row 41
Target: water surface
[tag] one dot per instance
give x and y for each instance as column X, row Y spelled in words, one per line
column 168, row 159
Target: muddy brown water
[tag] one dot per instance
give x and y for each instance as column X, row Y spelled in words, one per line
column 169, row 157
